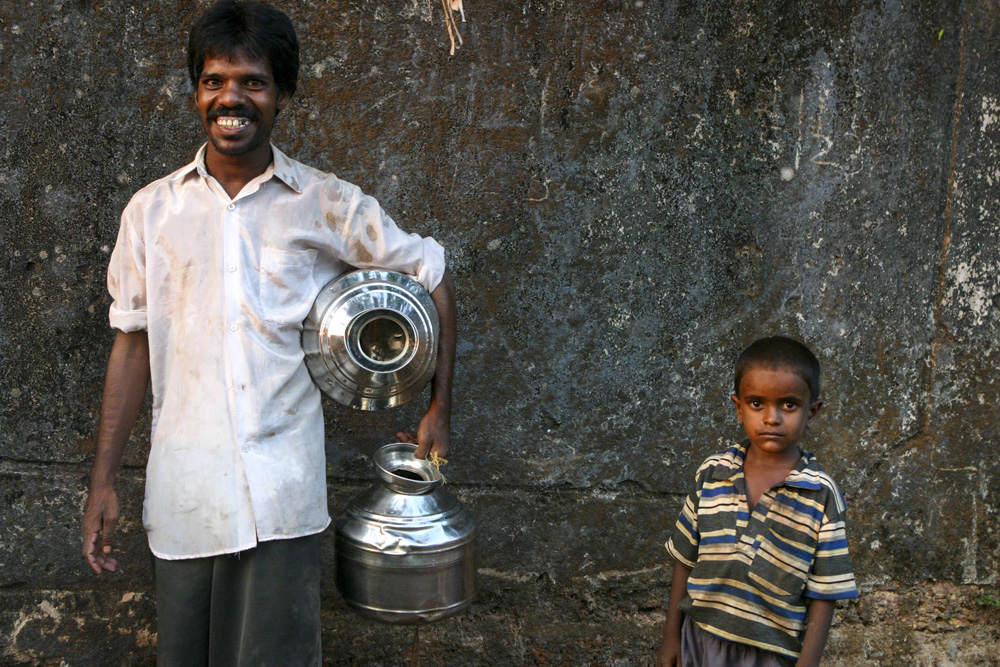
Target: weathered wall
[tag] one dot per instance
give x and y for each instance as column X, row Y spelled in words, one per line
column 629, row 193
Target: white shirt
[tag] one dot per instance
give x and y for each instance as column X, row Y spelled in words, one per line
column 222, row 286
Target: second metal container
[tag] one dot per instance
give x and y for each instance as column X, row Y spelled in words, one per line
column 370, row 339
column 406, row 548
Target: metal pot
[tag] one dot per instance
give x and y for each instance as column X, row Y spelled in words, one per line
column 406, row 548
column 371, row 338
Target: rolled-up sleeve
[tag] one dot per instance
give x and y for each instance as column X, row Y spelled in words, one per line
column 369, row 238
column 127, row 278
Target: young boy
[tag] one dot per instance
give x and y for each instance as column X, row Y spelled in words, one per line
column 760, row 548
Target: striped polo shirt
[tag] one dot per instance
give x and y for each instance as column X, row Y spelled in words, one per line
column 751, row 573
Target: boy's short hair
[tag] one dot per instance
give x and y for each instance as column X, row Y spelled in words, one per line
column 265, row 33
column 780, row 352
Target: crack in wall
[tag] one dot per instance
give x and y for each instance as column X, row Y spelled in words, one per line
column 940, row 330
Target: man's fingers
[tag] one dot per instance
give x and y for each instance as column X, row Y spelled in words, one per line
column 443, row 448
column 423, row 449
column 89, row 546
column 107, row 535
column 89, row 539
column 97, row 559
column 437, row 441
column 100, row 519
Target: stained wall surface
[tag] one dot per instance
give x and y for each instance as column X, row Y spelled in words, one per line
column 629, row 192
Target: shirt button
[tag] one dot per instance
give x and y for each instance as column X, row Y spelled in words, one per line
column 234, row 327
column 232, row 207
column 232, row 268
column 246, row 449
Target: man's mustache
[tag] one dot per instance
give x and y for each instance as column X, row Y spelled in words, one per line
column 242, row 112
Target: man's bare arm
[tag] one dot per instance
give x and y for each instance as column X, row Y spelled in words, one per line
column 124, row 391
column 434, row 432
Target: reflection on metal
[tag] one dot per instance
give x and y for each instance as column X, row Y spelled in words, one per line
column 406, row 548
column 371, row 339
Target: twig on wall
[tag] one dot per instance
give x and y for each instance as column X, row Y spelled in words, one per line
column 450, row 7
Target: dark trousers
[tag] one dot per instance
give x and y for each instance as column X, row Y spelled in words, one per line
column 257, row 607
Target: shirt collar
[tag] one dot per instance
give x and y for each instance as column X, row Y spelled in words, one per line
column 731, row 462
column 282, row 167
column 195, row 166
column 287, row 170
column 803, row 476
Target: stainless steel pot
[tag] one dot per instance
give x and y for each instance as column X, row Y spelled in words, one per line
column 406, row 548
column 371, row 338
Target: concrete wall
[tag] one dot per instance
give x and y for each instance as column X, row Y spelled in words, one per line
column 629, row 192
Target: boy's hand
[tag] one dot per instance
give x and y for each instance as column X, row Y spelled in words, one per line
column 669, row 654
column 99, row 521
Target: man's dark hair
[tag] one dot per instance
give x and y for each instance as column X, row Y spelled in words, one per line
column 780, row 352
column 231, row 27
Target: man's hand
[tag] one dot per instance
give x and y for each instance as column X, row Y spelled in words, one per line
column 433, row 434
column 124, row 390
column 99, row 521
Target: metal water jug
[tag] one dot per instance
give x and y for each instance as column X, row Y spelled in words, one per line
column 371, row 338
column 406, row 548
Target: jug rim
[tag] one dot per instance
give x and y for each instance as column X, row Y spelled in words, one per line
column 399, row 456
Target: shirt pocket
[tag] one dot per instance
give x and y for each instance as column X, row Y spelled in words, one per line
column 781, row 565
column 287, row 287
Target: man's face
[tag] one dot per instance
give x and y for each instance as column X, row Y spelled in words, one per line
column 238, row 101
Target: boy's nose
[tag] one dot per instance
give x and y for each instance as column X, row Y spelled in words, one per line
column 772, row 416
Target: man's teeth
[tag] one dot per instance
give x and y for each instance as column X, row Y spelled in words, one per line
column 229, row 121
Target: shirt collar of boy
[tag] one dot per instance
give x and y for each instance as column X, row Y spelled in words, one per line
column 803, row 476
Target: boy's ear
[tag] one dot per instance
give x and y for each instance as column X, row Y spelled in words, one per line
column 814, row 409
column 736, row 401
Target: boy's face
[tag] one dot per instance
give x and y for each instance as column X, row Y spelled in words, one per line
column 774, row 408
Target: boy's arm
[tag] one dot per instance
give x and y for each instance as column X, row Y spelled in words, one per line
column 124, row 391
column 818, row 620
column 669, row 654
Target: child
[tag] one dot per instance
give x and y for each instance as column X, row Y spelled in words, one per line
column 760, row 548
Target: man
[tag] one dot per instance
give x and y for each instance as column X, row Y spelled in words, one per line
column 214, row 270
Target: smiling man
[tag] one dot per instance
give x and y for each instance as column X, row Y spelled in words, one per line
column 214, row 270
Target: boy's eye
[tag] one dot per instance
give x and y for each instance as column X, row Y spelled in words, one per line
column 755, row 404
